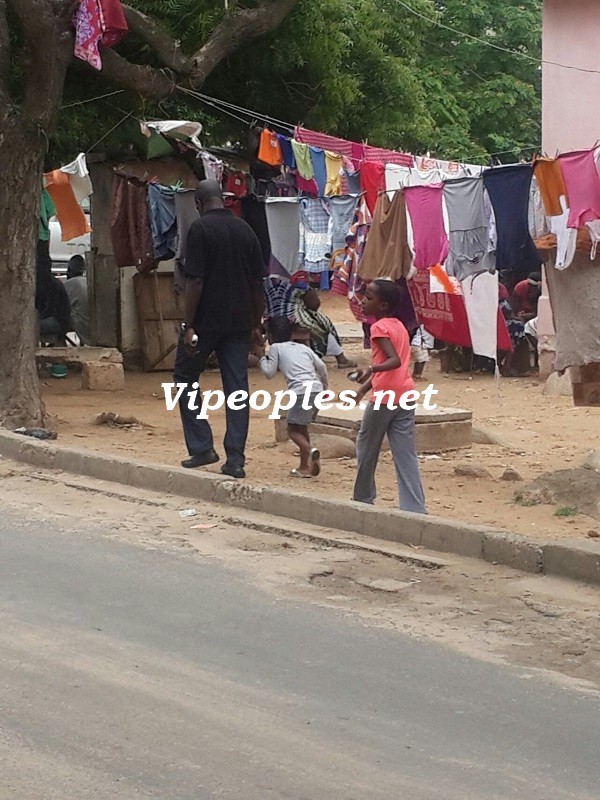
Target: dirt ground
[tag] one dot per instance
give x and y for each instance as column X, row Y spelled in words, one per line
column 488, row 612
column 544, row 433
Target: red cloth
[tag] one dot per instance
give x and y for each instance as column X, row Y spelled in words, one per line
column 235, row 183
column 309, row 187
column 445, row 316
column 372, row 181
column 98, row 22
column 388, row 157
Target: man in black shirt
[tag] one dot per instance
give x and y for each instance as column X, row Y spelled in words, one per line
column 223, row 304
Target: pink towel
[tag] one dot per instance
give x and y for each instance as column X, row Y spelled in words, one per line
column 581, row 178
column 424, row 205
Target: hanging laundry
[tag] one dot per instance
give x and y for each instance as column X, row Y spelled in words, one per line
column 334, row 166
column 552, row 185
column 177, row 129
column 575, row 299
column 582, row 181
column 303, row 161
column 440, row 281
column 307, row 187
column 254, row 213
column 346, row 281
column 235, row 183
column 538, row 223
column 47, row 211
column 98, row 23
column 187, row 213
column 481, row 301
column 324, row 141
column 443, row 315
column 387, row 254
column 68, row 211
column 372, row 181
column 163, row 221
column 342, row 210
column 130, row 226
column 471, row 250
column 382, row 156
column 350, row 178
column 79, row 178
column 566, row 238
column 317, row 157
column 424, row 204
column 508, row 188
column 283, row 221
column 269, row 149
column 315, row 239
column 287, row 152
column 396, row 177
column 213, row 167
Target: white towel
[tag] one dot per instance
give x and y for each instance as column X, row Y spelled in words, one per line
column 481, row 300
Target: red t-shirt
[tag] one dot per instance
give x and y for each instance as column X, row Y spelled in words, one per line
column 524, row 301
column 398, row 380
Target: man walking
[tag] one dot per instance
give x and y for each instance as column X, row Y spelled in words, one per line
column 223, row 304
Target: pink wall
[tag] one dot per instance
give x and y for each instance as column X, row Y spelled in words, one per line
column 571, row 106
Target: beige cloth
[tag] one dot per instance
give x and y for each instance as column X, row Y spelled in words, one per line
column 387, row 254
column 575, row 300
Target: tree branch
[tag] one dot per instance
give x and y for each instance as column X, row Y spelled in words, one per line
column 166, row 48
column 239, row 26
column 147, row 81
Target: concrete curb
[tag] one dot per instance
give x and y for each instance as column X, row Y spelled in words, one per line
column 577, row 561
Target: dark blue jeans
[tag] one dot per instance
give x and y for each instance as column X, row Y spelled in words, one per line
column 232, row 352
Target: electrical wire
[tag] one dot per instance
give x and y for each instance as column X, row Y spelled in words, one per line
column 93, row 99
column 226, row 107
column 538, row 61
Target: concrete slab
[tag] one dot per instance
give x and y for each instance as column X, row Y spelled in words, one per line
column 78, row 355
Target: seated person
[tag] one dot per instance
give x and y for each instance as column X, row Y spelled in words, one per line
column 525, row 297
column 55, row 313
column 76, row 288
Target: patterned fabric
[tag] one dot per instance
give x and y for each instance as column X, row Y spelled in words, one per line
column 98, row 22
column 279, row 297
column 315, row 238
column 213, row 167
column 346, row 281
column 318, row 324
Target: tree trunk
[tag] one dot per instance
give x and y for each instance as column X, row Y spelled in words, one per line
column 21, row 163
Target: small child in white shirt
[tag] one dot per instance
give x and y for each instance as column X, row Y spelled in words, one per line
column 422, row 342
column 302, row 369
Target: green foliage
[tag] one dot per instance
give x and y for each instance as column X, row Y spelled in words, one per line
column 566, row 511
column 363, row 69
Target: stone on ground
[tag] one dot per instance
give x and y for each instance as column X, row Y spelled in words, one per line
column 102, row 377
column 558, row 385
column 331, row 447
column 511, row 474
column 471, row 471
column 568, row 488
column 592, row 461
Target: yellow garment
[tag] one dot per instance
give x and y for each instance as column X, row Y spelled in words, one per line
column 334, row 165
column 68, row 211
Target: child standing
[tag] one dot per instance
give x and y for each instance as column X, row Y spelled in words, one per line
column 389, row 373
column 422, row 342
column 301, row 368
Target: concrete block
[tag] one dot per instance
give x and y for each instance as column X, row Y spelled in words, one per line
column 194, row 485
column 580, row 562
column 150, row 476
column 513, row 551
column 103, row 468
column 239, row 495
column 103, row 377
column 306, row 508
column 10, row 444
column 38, row 454
column 393, row 526
column 452, row 537
column 440, row 437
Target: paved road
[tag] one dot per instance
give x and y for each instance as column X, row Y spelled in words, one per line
column 127, row 673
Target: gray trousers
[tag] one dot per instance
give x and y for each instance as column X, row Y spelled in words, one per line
column 400, row 428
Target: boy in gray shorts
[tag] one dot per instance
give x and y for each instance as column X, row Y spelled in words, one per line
column 302, row 369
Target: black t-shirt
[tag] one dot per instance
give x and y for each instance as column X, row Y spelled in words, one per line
column 223, row 250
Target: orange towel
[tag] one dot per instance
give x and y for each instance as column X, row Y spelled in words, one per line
column 68, row 211
column 269, row 149
column 552, row 186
